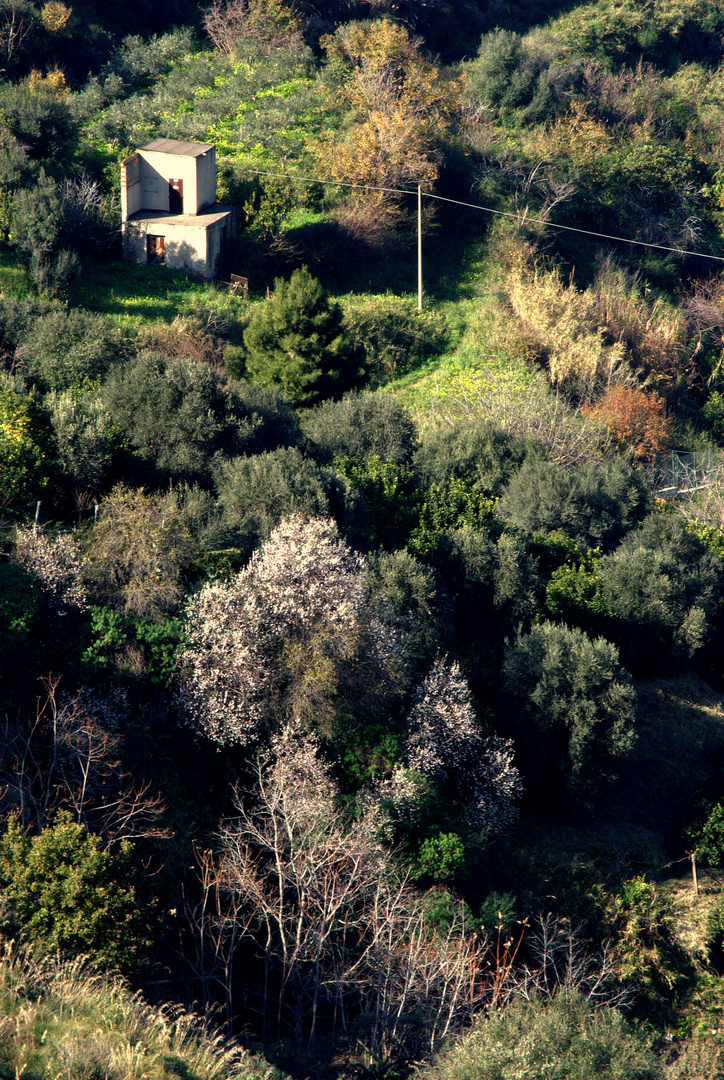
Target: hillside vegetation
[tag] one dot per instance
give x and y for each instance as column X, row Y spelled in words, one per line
column 361, row 665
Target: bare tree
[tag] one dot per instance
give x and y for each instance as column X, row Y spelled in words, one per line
column 340, row 934
column 64, row 758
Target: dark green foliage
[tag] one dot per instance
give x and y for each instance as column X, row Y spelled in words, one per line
column 573, row 708
column 19, row 598
column 361, row 426
column 476, row 452
column 715, row 935
column 39, row 119
column 564, row 1037
column 440, row 858
column 390, row 499
column 36, row 218
column 389, row 336
column 595, row 506
column 662, row 584
column 16, row 171
column 16, row 318
column 707, row 838
column 257, row 492
column 145, row 646
column 266, row 413
column 177, row 415
column 511, row 72
column 64, row 349
column 62, row 892
column 457, row 505
column 294, row 342
column 406, row 591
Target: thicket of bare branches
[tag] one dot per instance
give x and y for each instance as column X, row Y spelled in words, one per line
column 268, row 23
column 342, row 941
column 66, row 756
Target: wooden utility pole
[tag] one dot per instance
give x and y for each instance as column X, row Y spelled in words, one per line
column 419, row 248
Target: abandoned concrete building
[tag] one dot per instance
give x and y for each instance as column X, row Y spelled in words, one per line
column 169, row 208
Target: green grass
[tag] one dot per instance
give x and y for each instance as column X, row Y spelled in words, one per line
column 14, row 280
column 133, row 295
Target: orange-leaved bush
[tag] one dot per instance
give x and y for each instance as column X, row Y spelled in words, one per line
column 636, row 419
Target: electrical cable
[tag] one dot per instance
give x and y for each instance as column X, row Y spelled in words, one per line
column 521, row 218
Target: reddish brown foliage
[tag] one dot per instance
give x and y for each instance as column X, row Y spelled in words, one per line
column 636, row 419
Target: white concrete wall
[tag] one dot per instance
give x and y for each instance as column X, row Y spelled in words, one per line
column 158, row 169
column 186, row 246
column 130, row 186
column 206, row 179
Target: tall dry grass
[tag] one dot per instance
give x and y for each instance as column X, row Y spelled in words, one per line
column 66, row 1020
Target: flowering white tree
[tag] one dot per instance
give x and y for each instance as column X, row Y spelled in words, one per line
column 277, row 640
column 446, row 745
column 57, row 565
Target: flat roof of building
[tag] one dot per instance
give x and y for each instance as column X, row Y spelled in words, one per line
column 177, row 146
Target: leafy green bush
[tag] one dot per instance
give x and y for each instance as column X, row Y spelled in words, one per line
column 360, row 427
column 389, row 336
column 662, row 586
column 389, row 495
column 295, row 342
column 176, row 413
column 573, row 706
column 457, row 505
column 146, row 646
column 39, row 119
column 63, row 349
column 257, row 492
column 25, row 448
column 475, row 452
column 62, row 892
column 564, row 1037
column 595, row 506
column 84, row 437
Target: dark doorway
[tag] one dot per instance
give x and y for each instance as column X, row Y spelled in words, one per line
column 155, row 250
column 175, row 196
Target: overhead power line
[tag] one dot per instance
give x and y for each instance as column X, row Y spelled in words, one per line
column 521, row 218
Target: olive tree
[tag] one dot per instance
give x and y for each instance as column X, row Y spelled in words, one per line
column 574, row 707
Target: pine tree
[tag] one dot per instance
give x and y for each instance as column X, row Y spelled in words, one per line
column 295, row 343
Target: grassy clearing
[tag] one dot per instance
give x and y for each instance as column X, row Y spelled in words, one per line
column 65, row 1019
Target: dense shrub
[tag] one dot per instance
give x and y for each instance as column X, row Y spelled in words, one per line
column 84, row 437
column 476, row 452
column 62, row 892
column 257, row 492
column 25, row 448
column 595, row 506
column 138, row 550
column 294, row 342
column 389, row 336
column 563, row 1037
column 360, row 427
column 663, row 585
column 64, row 348
column 177, row 414
column 40, row 119
column 577, row 706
